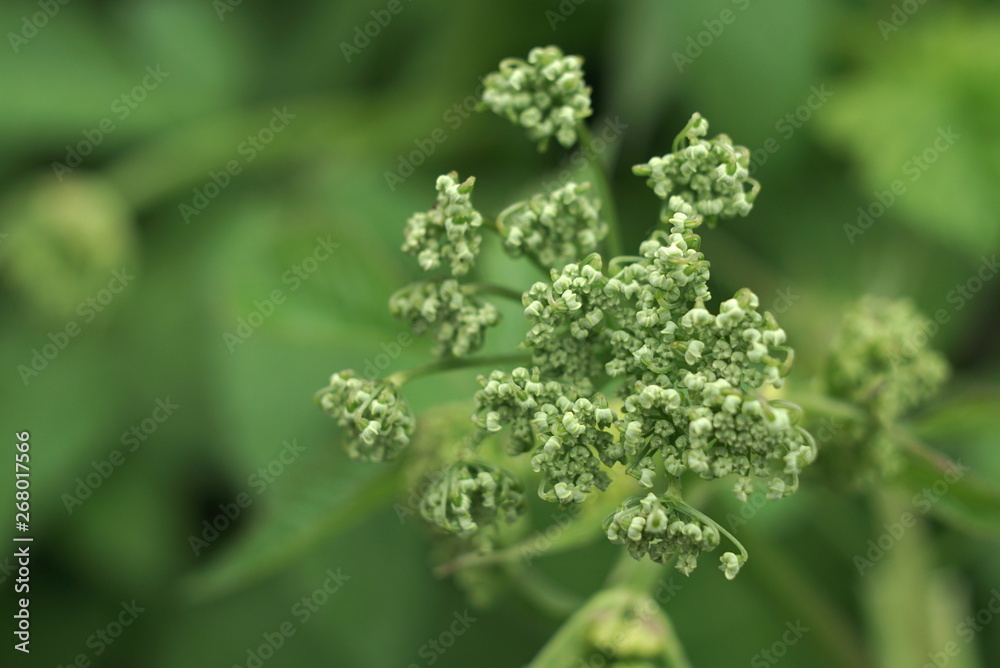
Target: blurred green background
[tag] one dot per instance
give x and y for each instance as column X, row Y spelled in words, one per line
column 195, row 213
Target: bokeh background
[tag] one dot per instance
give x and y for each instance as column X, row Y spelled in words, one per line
column 195, row 213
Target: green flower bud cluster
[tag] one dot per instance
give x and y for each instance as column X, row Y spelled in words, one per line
column 692, row 377
column 458, row 318
column 651, row 296
column 692, row 381
column 555, row 228
column 378, row 420
column 653, row 526
column 707, row 178
column 565, row 433
column 448, row 233
column 546, row 94
column 468, row 496
column 880, row 359
column 567, row 317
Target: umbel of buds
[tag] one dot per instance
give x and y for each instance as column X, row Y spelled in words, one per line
column 707, row 178
column 448, row 233
column 377, row 419
column 545, row 94
column 466, row 496
column 694, row 382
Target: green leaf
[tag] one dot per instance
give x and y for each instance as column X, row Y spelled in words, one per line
column 317, row 503
column 950, row 491
column 921, row 116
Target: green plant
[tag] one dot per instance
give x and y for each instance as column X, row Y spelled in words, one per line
column 630, row 388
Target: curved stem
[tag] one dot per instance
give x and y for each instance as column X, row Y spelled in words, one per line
column 453, row 363
column 688, row 509
column 614, row 239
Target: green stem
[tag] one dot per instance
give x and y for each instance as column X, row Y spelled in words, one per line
column 454, row 363
column 822, row 404
column 498, row 290
column 541, row 592
column 614, row 239
column 688, row 509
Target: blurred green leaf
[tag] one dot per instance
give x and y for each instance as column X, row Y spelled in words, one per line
column 319, row 502
column 921, row 113
column 949, row 491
